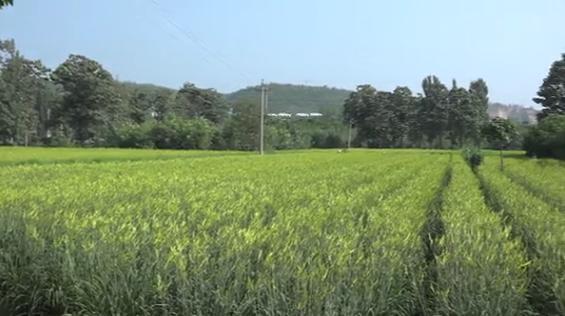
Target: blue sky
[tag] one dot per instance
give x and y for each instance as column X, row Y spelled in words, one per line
column 228, row 45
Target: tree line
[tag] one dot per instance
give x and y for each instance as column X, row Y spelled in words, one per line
column 547, row 139
column 440, row 118
column 456, row 117
column 81, row 104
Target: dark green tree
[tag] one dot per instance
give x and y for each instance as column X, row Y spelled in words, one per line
column 402, row 106
column 22, row 81
column 162, row 105
column 551, row 94
column 360, row 110
column 433, row 110
column 479, row 97
column 241, row 130
column 6, row 2
column 91, row 99
column 205, row 103
column 463, row 123
column 499, row 133
column 140, row 107
column 547, row 139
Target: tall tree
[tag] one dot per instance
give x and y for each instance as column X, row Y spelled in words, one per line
column 402, row 105
column 499, row 133
column 241, row 130
column 205, row 103
column 90, row 99
column 551, row 94
column 478, row 91
column 140, row 106
column 357, row 109
column 463, row 123
column 162, row 104
column 21, row 81
column 432, row 112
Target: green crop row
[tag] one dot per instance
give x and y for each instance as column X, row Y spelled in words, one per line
column 543, row 177
column 43, row 155
column 541, row 228
column 480, row 268
column 304, row 233
column 315, row 233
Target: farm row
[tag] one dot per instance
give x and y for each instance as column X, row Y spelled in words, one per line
column 364, row 232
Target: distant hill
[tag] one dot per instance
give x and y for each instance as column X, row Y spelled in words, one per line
column 145, row 87
column 516, row 113
column 295, row 98
column 300, row 98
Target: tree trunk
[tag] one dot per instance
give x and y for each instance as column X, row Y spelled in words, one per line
column 501, row 160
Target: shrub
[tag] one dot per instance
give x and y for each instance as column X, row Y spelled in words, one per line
column 547, row 139
column 473, row 156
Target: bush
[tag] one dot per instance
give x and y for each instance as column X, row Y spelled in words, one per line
column 135, row 136
column 473, row 156
column 175, row 133
column 327, row 140
column 547, row 139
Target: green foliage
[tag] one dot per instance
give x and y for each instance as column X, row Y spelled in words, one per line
column 547, row 139
column 24, row 97
column 463, row 122
column 329, row 140
column 295, row 98
column 499, row 132
column 539, row 226
column 6, row 2
column 91, row 99
column 174, row 133
column 433, row 113
column 480, row 269
column 473, row 156
column 12, row 156
column 380, row 117
column 313, row 232
column 540, row 176
column 242, row 130
column 221, row 236
column 551, row 94
column 192, row 102
column 399, row 119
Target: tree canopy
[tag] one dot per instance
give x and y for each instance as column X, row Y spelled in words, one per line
column 438, row 118
column 6, row 2
column 551, row 94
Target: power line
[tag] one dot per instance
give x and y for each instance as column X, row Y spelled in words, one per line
column 194, row 39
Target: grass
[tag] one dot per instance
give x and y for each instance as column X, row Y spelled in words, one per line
column 47, row 155
column 295, row 233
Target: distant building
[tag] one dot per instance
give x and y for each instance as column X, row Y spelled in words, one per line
column 299, row 115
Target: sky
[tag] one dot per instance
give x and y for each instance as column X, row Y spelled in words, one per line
column 228, row 45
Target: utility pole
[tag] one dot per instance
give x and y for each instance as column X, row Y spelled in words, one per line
column 349, row 136
column 262, row 127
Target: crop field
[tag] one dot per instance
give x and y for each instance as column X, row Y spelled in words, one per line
column 19, row 155
column 366, row 232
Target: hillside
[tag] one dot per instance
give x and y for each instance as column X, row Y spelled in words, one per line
column 295, row 98
column 299, row 98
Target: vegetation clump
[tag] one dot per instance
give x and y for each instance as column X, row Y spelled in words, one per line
column 473, row 156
